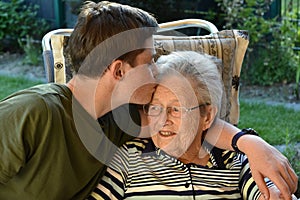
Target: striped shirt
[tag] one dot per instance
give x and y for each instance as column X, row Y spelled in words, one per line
column 139, row 170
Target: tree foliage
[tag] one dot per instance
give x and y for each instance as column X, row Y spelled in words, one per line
column 270, row 58
column 17, row 20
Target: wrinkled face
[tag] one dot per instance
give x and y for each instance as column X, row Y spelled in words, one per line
column 138, row 83
column 171, row 132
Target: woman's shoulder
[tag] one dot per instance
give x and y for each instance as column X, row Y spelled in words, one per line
column 227, row 159
column 139, row 144
column 131, row 150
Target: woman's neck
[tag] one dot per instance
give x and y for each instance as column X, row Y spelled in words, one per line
column 196, row 153
column 196, row 157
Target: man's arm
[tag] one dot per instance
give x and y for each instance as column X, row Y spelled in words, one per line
column 264, row 159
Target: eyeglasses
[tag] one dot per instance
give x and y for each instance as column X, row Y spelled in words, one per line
column 175, row 111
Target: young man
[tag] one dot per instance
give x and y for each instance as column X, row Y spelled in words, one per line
column 52, row 146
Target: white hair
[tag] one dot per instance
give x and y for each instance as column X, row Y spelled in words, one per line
column 202, row 71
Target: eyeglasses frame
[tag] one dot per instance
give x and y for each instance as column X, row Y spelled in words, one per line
column 187, row 110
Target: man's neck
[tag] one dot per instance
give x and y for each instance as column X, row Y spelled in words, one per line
column 92, row 94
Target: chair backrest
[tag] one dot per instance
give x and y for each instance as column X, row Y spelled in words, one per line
column 228, row 45
column 54, row 41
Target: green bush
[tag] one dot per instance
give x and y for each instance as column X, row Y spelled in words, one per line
column 32, row 50
column 17, row 20
column 270, row 57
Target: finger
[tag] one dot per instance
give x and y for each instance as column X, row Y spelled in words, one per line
column 261, row 184
column 293, row 183
column 289, row 176
column 283, row 187
column 275, row 193
column 294, row 178
column 285, row 198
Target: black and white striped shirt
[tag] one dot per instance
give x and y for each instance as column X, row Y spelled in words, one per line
column 141, row 171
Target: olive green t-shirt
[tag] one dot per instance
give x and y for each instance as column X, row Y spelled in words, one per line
column 51, row 148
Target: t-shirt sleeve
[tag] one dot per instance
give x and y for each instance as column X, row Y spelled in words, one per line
column 18, row 121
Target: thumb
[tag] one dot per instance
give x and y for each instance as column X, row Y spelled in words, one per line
column 261, row 184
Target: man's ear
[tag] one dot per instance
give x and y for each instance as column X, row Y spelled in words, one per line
column 211, row 112
column 117, row 69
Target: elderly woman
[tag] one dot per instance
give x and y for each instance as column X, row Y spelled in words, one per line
column 177, row 162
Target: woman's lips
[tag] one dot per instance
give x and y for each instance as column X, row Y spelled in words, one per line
column 166, row 133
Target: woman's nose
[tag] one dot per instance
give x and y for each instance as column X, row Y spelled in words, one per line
column 167, row 122
column 166, row 117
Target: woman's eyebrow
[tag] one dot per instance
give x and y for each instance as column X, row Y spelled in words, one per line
column 172, row 101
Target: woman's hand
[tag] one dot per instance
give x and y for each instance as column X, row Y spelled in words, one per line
column 266, row 161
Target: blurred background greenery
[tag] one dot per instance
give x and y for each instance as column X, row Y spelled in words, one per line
column 273, row 25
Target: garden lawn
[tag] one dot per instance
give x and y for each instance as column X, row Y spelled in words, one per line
column 276, row 124
column 9, row 85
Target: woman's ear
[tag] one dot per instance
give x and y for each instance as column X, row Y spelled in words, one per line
column 117, row 69
column 211, row 112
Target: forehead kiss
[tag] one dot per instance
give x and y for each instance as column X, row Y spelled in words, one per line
column 178, row 86
column 138, row 83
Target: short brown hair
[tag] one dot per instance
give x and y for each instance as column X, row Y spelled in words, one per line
column 98, row 22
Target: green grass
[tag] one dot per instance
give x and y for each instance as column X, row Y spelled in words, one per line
column 8, row 85
column 276, row 124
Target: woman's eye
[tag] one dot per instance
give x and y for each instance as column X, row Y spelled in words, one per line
column 154, row 108
column 176, row 109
